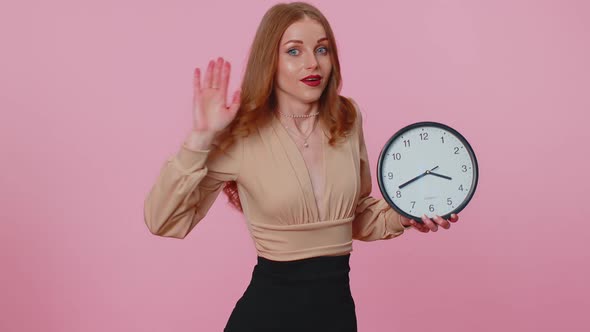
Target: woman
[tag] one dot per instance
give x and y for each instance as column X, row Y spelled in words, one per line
column 289, row 152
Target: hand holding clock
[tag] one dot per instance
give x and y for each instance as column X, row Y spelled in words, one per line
column 428, row 224
column 415, row 151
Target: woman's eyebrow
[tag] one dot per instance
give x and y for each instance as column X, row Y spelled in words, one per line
column 301, row 42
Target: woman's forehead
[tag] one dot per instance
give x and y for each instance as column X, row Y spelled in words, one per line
column 305, row 31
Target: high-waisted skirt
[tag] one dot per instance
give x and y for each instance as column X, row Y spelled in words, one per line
column 308, row 295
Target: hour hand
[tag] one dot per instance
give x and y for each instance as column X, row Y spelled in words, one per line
column 442, row 176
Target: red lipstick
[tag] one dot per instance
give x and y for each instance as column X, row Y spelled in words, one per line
column 312, row 80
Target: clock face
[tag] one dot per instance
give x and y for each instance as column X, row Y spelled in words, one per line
column 427, row 168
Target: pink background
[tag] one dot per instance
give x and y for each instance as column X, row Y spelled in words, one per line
column 95, row 95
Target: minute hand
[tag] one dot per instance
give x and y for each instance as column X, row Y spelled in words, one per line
column 416, row 178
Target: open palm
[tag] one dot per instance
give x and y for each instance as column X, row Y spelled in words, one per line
column 210, row 110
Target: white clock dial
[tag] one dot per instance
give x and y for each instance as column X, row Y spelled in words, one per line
column 427, row 168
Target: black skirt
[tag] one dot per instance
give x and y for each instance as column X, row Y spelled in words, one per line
column 309, row 295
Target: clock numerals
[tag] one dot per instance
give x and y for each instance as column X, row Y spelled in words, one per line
column 435, row 176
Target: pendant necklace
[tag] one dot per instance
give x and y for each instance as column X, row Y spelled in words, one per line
column 305, row 144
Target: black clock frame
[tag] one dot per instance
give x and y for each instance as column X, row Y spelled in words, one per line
column 403, row 130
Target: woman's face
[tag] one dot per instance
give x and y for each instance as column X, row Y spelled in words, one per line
column 304, row 63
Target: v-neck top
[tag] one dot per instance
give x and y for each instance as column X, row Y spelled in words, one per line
column 276, row 194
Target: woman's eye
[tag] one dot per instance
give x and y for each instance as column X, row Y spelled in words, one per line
column 293, row 51
column 322, row 50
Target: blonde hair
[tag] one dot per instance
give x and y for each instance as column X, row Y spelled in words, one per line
column 258, row 100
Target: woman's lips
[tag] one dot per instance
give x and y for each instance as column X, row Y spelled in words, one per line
column 315, row 82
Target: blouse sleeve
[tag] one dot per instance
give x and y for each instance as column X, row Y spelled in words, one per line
column 188, row 184
column 374, row 218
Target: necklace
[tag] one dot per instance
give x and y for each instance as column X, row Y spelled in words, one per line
column 305, row 144
column 298, row 116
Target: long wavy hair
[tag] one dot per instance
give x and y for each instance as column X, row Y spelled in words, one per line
column 258, row 99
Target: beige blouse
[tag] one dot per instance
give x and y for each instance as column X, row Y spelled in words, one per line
column 276, row 194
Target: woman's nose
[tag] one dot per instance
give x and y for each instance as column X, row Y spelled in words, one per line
column 311, row 62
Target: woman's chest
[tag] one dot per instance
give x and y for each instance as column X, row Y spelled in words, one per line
column 315, row 164
column 290, row 185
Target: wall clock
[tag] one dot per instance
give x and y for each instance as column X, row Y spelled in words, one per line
column 427, row 168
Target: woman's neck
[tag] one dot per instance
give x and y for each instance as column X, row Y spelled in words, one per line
column 301, row 124
column 298, row 110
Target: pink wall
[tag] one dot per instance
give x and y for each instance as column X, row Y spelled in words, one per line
column 96, row 95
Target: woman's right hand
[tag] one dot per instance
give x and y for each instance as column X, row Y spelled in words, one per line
column 210, row 112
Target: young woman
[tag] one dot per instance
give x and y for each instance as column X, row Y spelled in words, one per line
column 289, row 152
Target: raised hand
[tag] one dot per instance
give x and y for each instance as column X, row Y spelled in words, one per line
column 210, row 111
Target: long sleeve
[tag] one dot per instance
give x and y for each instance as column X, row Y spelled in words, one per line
column 374, row 218
column 188, row 184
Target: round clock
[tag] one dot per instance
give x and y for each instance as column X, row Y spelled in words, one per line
column 427, row 168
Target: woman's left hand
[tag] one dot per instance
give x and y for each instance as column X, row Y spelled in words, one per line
column 428, row 224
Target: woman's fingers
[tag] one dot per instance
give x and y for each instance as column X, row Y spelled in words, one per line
column 442, row 222
column 209, row 75
column 433, row 227
column 432, row 224
column 216, row 83
column 235, row 103
column 421, row 227
column 225, row 80
column 236, row 98
column 197, row 83
column 217, row 76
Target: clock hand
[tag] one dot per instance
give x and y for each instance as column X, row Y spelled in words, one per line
column 416, row 178
column 412, row 180
column 442, row 176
